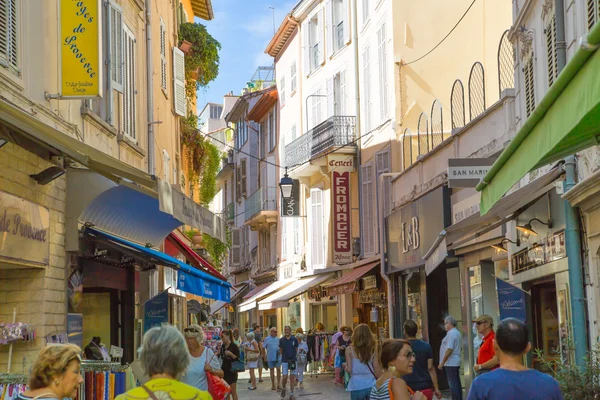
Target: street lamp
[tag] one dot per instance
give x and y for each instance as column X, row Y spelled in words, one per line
column 527, row 230
column 286, row 184
column 500, row 246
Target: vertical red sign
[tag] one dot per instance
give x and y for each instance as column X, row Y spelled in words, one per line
column 342, row 235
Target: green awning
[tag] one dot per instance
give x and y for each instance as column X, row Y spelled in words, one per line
column 566, row 121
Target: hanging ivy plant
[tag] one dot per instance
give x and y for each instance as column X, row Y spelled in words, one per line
column 216, row 249
column 202, row 60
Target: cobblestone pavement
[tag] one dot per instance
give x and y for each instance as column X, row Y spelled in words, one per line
column 319, row 387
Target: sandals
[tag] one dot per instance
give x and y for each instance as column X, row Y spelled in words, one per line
column 251, row 388
column 260, row 380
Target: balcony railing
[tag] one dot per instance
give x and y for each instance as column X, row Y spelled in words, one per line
column 230, row 212
column 333, row 132
column 264, row 199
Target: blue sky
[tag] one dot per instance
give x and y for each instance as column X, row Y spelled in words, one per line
column 244, row 28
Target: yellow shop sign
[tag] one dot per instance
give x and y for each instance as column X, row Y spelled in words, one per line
column 80, row 48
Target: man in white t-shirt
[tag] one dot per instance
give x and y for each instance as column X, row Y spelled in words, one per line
column 450, row 359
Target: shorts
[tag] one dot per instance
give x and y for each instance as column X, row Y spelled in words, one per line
column 284, row 369
column 274, row 364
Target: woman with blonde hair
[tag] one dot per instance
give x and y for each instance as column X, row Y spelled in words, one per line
column 397, row 360
column 361, row 363
column 164, row 358
column 203, row 359
column 55, row 373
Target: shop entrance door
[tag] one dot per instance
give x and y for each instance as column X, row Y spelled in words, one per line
column 270, row 319
column 545, row 321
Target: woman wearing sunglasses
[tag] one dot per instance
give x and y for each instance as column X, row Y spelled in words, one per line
column 397, row 360
column 203, row 359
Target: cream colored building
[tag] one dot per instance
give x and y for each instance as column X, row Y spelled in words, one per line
column 98, row 143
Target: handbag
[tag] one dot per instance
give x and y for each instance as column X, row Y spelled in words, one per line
column 302, row 358
column 238, row 366
column 217, row 387
column 252, row 356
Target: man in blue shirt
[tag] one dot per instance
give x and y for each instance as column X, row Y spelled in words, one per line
column 513, row 380
column 450, row 359
column 423, row 378
column 288, row 347
column 271, row 352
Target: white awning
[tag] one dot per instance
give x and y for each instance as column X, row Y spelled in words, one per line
column 252, row 301
column 282, row 297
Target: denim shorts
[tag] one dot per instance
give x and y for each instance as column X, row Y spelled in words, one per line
column 274, row 364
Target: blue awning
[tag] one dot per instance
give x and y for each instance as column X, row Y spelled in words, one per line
column 190, row 279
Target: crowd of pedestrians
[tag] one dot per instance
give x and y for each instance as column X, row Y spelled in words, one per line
column 178, row 366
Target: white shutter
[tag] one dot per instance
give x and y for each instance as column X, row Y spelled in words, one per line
column 293, row 77
column 116, row 55
column 298, row 245
column 317, row 237
column 551, row 51
column 330, row 98
column 235, row 247
column 8, row 34
column 321, row 37
column 347, row 18
column 284, row 238
column 163, row 55
column 593, row 13
column 529, row 86
column 365, row 10
column 307, row 47
column 382, row 55
column 383, row 166
column 179, row 99
column 367, row 89
column 282, row 90
column 329, row 28
column 243, row 178
column 293, row 133
column 129, row 101
column 343, row 94
column 368, row 240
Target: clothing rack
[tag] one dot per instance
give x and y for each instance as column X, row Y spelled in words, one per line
column 320, row 357
column 11, row 385
column 104, row 380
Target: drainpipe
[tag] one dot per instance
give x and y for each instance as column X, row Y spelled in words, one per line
column 358, row 119
column 150, row 89
column 572, row 229
column 382, row 238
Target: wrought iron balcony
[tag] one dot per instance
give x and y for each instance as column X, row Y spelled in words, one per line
column 333, row 132
column 261, row 208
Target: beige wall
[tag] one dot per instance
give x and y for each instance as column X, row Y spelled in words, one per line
column 39, row 295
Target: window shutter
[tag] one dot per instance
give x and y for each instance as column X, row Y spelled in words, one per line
column 383, row 166
column 343, row 94
column 383, row 94
column 284, row 238
column 297, row 243
column 552, row 57
column 529, row 86
column 282, row 90
column 243, row 178
column 293, row 132
column 321, row 37
column 347, row 18
column 238, row 179
column 163, row 55
column 129, row 101
column 307, row 48
column 366, row 193
column 329, row 28
column 8, row 34
column 235, row 247
column 317, row 237
column 116, row 47
column 330, row 98
column 179, row 82
column 367, row 89
column 293, row 77
column 365, row 10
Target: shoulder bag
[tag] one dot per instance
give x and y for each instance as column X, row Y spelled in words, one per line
column 391, row 392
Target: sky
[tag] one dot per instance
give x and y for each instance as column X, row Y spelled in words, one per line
column 244, row 29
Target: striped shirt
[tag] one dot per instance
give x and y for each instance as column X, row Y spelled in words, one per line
column 383, row 393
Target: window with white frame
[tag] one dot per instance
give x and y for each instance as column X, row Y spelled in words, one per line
column 318, row 228
column 293, row 133
column 382, row 64
column 129, row 72
column 215, row 111
column 551, row 50
column 365, row 10
column 316, row 55
column 367, row 101
column 272, row 132
column 593, row 13
column 382, row 163
column 529, row 85
column 368, row 210
column 115, row 17
column 163, row 55
column 339, row 24
column 293, row 77
column 297, row 235
column 284, row 238
column 282, row 90
column 316, row 111
column 339, row 94
column 179, row 97
column 9, row 52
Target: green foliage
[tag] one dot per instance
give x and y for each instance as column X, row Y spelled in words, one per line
column 202, row 61
column 216, row 249
column 203, row 157
column 576, row 383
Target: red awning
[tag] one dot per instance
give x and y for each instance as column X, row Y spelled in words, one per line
column 348, row 283
column 193, row 257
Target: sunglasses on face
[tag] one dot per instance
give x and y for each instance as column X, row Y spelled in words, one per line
column 480, row 322
column 410, row 355
column 191, row 330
